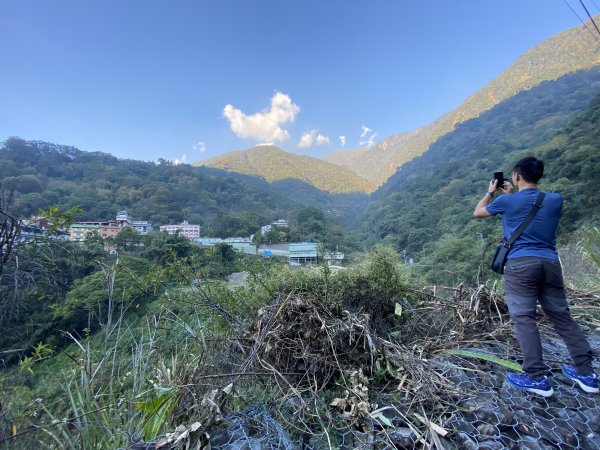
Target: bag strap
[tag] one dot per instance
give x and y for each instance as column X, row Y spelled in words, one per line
column 536, row 206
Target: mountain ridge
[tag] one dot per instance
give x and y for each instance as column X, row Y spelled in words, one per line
column 274, row 164
column 569, row 51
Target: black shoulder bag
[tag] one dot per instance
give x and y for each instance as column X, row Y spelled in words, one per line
column 499, row 259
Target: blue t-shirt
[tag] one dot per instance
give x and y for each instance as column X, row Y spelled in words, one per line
column 539, row 238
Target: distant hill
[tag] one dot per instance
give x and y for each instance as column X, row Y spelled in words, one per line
column 42, row 174
column 569, row 51
column 274, row 164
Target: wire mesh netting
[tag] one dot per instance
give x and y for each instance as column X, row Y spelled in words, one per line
column 305, row 375
column 479, row 410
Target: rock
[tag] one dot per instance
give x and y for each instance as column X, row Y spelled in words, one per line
column 574, row 419
column 590, row 442
column 491, row 445
column 487, row 430
column 462, row 426
column 402, row 437
column 529, row 443
column 466, row 441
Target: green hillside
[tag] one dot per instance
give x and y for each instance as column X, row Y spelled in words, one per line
column 273, row 164
column 570, row 51
column 425, row 209
column 42, row 174
column 39, row 175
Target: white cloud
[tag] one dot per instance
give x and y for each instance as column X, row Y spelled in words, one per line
column 308, row 138
column 263, row 126
column 180, row 160
column 199, row 147
column 371, row 141
column 342, row 140
column 322, row 140
column 367, row 138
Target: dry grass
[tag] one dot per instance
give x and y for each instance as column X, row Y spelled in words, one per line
column 331, row 371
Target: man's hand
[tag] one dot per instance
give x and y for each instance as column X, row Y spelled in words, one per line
column 480, row 210
column 507, row 187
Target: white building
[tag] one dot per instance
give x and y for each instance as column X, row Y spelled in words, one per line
column 279, row 223
column 141, row 227
column 186, row 229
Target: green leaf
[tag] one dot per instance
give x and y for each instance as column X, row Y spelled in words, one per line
column 384, row 420
column 485, row 357
column 398, row 309
column 157, row 410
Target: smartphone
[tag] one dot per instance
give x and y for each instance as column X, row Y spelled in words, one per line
column 500, row 177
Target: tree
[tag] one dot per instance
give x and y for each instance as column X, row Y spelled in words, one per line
column 453, row 259
column 37, row 275
column 163, row 247
column 9, row 230
column 312, row 224
column 128, row 240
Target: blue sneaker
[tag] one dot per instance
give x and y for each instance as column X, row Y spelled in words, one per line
column 522, row 382
column 589, row 383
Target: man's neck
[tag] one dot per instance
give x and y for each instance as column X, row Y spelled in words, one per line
column 525, row 185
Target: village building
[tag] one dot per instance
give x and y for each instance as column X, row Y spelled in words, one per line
column 142, row 227
column 110, row 228
column 242, row 245
column 184, row 228
column 79, row 232
column 298, row 253
column 279, row 223
column 303, row 253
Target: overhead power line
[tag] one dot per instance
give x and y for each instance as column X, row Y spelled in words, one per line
column 581, row 20
column 589, row 15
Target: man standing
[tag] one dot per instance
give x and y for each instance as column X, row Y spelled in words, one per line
column 533, row 273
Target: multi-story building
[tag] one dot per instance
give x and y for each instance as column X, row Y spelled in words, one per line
column 141, row 227
column 110, row 228
column 184, row 228
column 79, row 232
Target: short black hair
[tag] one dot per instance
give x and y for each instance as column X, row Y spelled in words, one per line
column 530, row 168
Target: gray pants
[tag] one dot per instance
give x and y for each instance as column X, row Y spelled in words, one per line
column 528, row 280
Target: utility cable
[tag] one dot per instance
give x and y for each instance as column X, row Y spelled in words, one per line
column 581, row 20
column 589, row 15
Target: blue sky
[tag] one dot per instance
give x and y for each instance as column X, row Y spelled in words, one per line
column 190, row 79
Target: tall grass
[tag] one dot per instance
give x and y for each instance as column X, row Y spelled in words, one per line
column 119, row 386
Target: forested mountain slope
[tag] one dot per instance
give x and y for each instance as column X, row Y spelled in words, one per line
column 426, row 207
column 274, row 164
column 570, row 51
column 42, row 175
